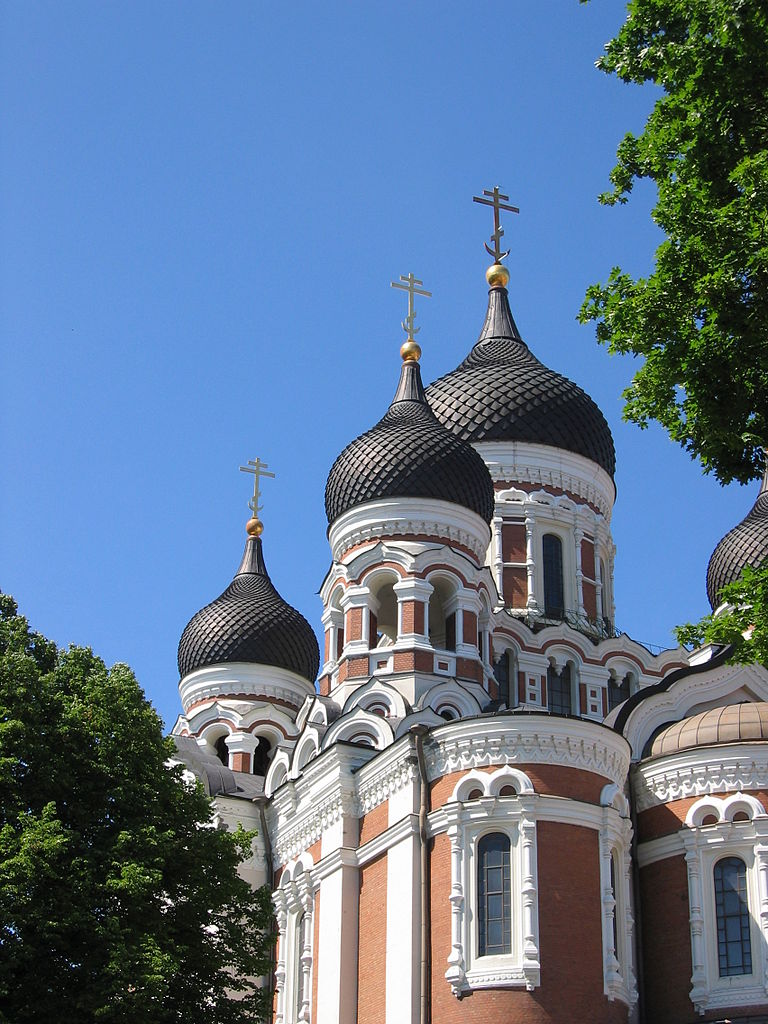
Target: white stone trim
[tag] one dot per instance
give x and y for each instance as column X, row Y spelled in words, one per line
column 536, row 739
column 466, row 825
column 524, row 462
column 700, row 771
column 221, row 681
column 294, row 902
column 704, row 846
column 392, row 517
column 619, row 980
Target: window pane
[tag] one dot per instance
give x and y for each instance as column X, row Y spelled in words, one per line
column 559, row 690
column 733, row 939
column 552, row 551
column 494, row 895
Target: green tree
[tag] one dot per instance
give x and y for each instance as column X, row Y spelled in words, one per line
column 119, row 900
column 743, row 624
column 700, row 320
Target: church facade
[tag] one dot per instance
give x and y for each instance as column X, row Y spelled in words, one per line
column 482, row 803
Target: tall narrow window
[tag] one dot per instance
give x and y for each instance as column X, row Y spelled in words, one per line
column 501, row 674
column 734, row 948
column 493, row 895
column 618, row 691
column 261, row 756
column 552, row 550
column 222, row 750
column 615, row 906
column 559, row 690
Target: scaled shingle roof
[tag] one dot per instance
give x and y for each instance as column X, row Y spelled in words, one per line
column 746, row 544
column 250, row 622
column 501, row 392
column 735, row 723
column 409, row 454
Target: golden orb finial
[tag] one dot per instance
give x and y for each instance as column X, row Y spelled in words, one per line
column 254, row 527
column 410, row 351
column 497, row 275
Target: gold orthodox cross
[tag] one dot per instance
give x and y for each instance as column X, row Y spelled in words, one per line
column 410, row 284
column 259, row 469
column 498, row 201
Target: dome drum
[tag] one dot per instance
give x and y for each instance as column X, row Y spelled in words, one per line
column 410, row 518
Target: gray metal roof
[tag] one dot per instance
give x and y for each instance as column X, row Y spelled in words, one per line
column 501, row 392
column 250, row 622
column 409, row 454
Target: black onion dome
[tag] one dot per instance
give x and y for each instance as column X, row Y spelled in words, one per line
column 250, row 622
column 501, row 392
column 409, row 454
column 746, row 544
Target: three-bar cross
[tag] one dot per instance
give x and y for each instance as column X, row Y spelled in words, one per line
column 498, row 201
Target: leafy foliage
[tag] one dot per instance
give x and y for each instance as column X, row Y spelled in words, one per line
column 743, row 624
column 119, row 900
column 700, row 320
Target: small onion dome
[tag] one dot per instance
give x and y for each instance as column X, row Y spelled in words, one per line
column 736, row 723
column 408, row 454
column 250, row 622
column 746, row 544
column 501, row 392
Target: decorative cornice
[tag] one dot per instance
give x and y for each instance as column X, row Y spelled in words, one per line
column 398, row 517
column 699, row 772
column 530, row 739
column 521, row 462
column 236, row 678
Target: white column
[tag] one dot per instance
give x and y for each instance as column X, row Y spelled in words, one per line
column 337, row 961
column 456, row 973
column 281, row 913
column 530, row 896
column 498, row 554
column 696, row 919
column 403, row 931
column 530, row 564
column 411, row 589
column 357, row 597
column 598, row 586
column 578, row 537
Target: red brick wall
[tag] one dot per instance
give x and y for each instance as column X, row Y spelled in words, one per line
column 371, row 965
column 374, row 822
column 353, row 627
column 515, row 583
column 588, row 558
column 666, row 942
column 571, row 990
column 413, row 617
column 589, row 595
column 513, row 542
column 469, row 626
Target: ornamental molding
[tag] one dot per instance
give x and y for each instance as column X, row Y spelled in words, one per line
column 527, row 739
column 701, row 772
column 232, row 679
column 538, row 464
column 398, row 517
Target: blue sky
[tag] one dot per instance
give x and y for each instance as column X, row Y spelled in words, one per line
column 203, row 205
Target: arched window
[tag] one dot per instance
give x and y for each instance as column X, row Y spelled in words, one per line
column 559, row 690
column 552, row 551
column 734, row 948
column 261, row 756
column 494, row 900
column 222, row 750
column 501, row 672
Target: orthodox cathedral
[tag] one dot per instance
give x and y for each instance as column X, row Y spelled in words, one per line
column 482, row 803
